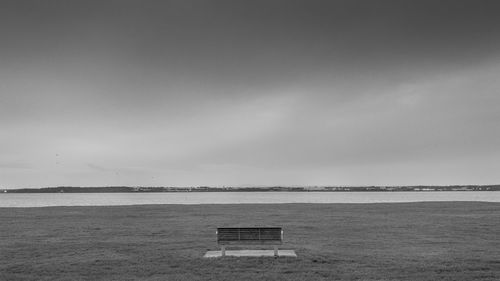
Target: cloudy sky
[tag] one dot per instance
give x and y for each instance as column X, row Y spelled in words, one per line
column 261, row 92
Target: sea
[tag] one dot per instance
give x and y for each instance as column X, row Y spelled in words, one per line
column 116, row 199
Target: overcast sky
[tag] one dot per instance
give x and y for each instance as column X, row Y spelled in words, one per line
column 261, row 92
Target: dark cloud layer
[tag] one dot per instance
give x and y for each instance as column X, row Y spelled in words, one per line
column 264, row 92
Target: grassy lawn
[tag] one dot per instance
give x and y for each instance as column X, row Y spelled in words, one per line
column 409, row 241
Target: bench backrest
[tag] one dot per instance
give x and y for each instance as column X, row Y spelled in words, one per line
column 249, row 235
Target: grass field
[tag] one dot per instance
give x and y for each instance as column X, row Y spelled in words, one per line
column 409, row 241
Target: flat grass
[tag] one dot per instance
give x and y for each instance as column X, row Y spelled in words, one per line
column 407, row 241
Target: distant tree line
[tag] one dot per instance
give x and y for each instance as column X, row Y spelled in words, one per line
column 108, row 189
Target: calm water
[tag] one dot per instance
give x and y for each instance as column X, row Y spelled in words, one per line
column 111, row 199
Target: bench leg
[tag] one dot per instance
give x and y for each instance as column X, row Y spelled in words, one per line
column 275, row 251
column 223, row 250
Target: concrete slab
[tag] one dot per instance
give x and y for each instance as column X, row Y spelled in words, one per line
column 251, row 253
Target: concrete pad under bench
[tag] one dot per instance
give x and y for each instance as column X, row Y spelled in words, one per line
column 251, row 253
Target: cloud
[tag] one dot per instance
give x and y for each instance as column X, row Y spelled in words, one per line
column 231, row 92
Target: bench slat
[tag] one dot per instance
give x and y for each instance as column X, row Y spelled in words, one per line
column 249, row 235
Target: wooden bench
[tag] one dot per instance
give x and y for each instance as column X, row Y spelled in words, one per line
column 249, row 236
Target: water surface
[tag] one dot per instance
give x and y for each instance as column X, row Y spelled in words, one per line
column 113, row 199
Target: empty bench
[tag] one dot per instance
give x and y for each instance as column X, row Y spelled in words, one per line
column 249, row 236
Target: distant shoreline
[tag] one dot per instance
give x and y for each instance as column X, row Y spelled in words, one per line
column 128, row 189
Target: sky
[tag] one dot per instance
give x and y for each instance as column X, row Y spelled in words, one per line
column 261, row 92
